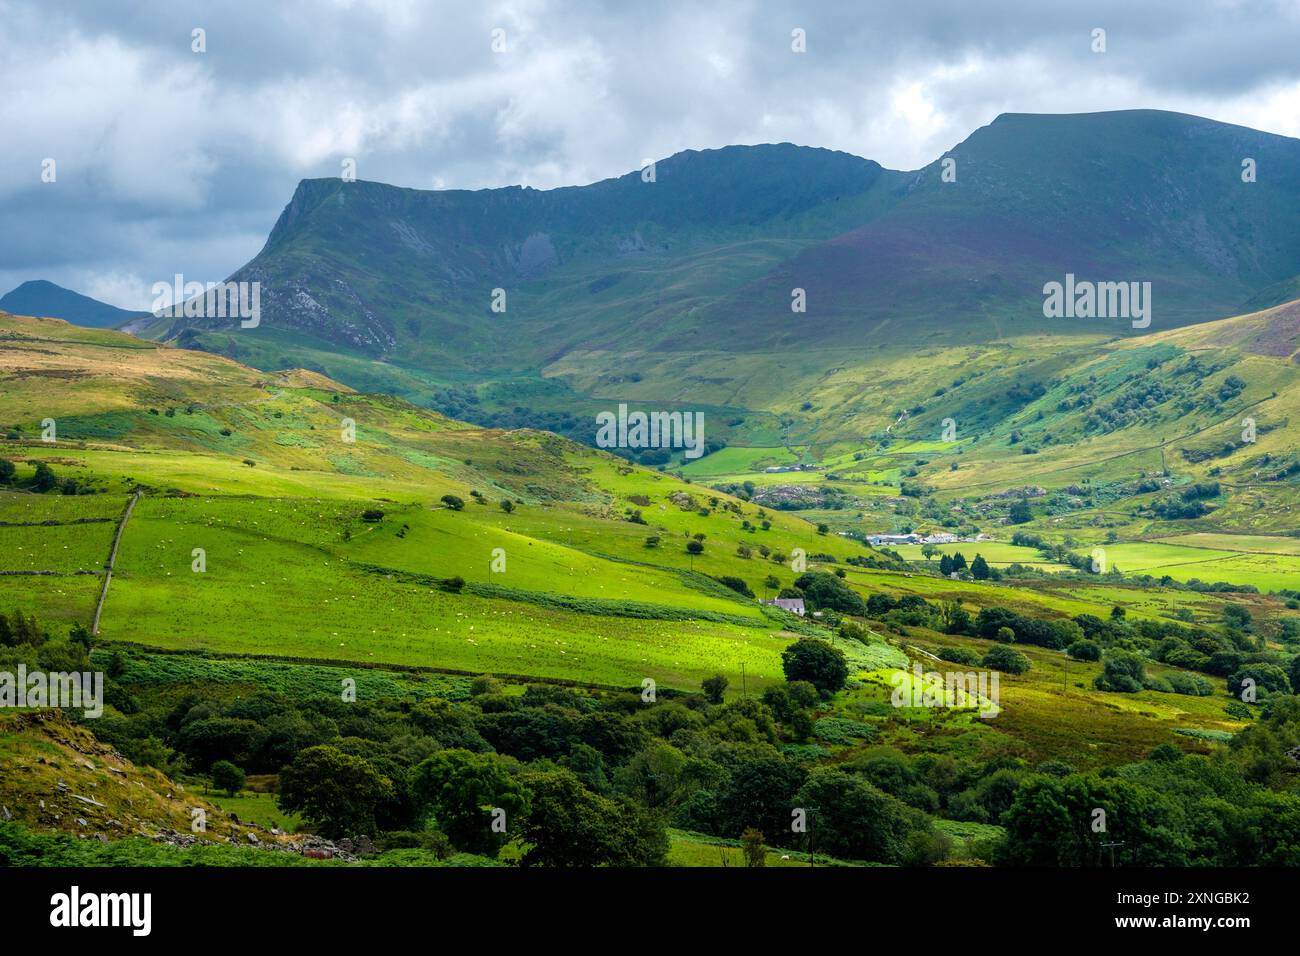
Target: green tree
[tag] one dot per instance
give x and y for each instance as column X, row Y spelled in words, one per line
column 1084, row 651
column 1052, row 822
column 44, row 479
column 1006, row 659
column 337, row 792
column 751, row 845
column 226, row 776
column 1020, row 512
column 453, row 502
column 848, row 817
column 1123, row 672
column 7, row 470
column 979, row 568
column 568, row 825
column 816, row 662
column 461, row 790
column 714, row 687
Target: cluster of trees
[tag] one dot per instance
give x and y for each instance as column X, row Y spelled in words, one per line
column 568, row 777
column 1236, row 807
column 822, row 591
column 43, row 479
column 25, row 640
column 956, row 562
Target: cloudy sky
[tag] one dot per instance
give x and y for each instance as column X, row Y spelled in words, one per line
column 171, row 160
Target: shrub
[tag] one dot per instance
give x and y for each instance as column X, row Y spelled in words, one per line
column 960, row 655
column 1085, row 651
column 816, row 662
column 1123, row 673
column 736, row 584
column 1006, row 659
column 714, row 687
column 226, row 776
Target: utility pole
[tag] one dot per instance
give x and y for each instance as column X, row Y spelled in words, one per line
column 744, row 688
column 1112, row 851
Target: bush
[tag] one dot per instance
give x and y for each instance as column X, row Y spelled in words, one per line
column 1191, row 685
column 960, row 655
column 1084, row 651
column 736, row 584
column 816, row 662
column 226, row 776
column 1006, row 659
column 1123, row 673
column 714, row 687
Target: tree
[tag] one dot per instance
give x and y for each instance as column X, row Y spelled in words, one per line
column 694, row 547
column 1006, row 659
column 760, row 794
column 1050, row 823
column 848, row 817
column 945, row 565
column 1123, row 672
column 568, row 825
column 461, row 790
column 226, row 776
column 7, row 470
column 1019, row 513
column 751, row 845
column 44, row 479
column 453, row 502
column 816, row 662
column 1005, row 635
column 979, row 568
column 714, row 688
column 928, row 551
column 507, row 506
column 772, row 582
column 1084, row 651
column 736, row 584
column 337, row 792
column 1267, row 677
column 825, row 591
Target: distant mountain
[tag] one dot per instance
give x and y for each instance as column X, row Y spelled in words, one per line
column 382, row 270
column 675, row 284
column 1125, row 196
column 47, row 300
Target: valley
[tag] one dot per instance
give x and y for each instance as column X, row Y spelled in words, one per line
column 401, row 559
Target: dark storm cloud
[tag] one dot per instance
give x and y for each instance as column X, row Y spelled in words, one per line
column 171, row 161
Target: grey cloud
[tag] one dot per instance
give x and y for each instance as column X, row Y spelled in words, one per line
column 175, row 162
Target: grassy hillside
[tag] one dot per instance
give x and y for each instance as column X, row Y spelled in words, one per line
column 511, row 595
